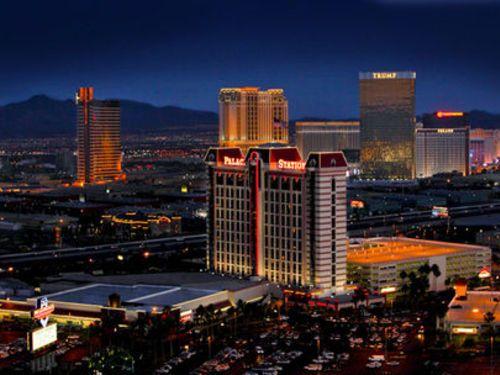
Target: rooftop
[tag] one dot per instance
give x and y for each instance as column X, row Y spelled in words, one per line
column 401, row 249
column 194, row 280
column 473, row 308
column 135, row 297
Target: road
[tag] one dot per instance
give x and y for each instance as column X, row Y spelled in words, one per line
column 162, row 245
column 375, row 225
column 384, row 224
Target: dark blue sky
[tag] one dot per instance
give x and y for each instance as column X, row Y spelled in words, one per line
column 181, row 52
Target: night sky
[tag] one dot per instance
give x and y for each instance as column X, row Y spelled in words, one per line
column 181, row 52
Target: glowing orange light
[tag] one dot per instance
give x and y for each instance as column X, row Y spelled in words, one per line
column 357, row 204
column 442, row 114
column 484, row 273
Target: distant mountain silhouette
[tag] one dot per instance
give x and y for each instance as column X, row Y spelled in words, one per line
column 482, row 119
column 41, row 116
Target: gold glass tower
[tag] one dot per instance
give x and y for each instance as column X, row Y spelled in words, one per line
column 387, row 124
column 249, row 117
column 99, row 152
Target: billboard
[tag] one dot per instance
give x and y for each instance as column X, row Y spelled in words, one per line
column 441, row 212
column 42, row 337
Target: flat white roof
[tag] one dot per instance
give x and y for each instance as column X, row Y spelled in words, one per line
column 472, row 308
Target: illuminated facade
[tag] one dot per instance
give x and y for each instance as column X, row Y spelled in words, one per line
column 378, row 262
column 441, row 151
column 143, row 223
column 387, row 124
column 274, row 215
column 321, row 136
column 249, row 117
column 99, row 152
column 484, row 145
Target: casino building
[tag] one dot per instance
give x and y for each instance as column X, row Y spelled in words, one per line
column 387, row 124
column 441, row 150
column 276, row 216
column 249, row 117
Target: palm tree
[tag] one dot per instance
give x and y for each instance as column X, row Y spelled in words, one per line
column 424, row 269
column 358, row 296
column 403, row 275
column 436, row 272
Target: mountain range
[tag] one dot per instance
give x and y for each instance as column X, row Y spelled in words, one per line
column 42, row 116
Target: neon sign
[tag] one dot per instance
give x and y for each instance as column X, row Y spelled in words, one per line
column 42, row 337
column 484, row 274
column 235, row 162
column 286, row 164
column 388, row 289
column 442, row 114
column 43, row 310
column 47, row 334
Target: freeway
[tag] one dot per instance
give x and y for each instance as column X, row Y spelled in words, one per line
column 163, row 245
column 421, row 215
column 373, row 225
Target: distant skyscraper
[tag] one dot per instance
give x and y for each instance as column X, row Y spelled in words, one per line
column 275, row 215
column 327, row 136
column 99, row 153
column 442, row 150
column 249, row 117
column 319, row 136
column 387, row 124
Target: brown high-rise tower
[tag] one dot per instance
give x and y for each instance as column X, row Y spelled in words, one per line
column 99, row 153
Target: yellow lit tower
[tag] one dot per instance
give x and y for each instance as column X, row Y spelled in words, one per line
column 99, row 151
column 250, row 117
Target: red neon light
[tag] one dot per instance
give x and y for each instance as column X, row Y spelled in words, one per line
column 254, row 162
column 442, row 114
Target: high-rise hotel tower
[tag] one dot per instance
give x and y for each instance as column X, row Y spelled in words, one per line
column 277, row 216
column 249, row 117
column 99, row 152
column 387, row 124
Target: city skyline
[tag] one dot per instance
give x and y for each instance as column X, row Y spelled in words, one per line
column 262, row 187
column 184, row 71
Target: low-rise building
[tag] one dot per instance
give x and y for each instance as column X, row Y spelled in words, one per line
column 130, row 296
column 142, row 222
column 468, row 309
column 379, row 262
